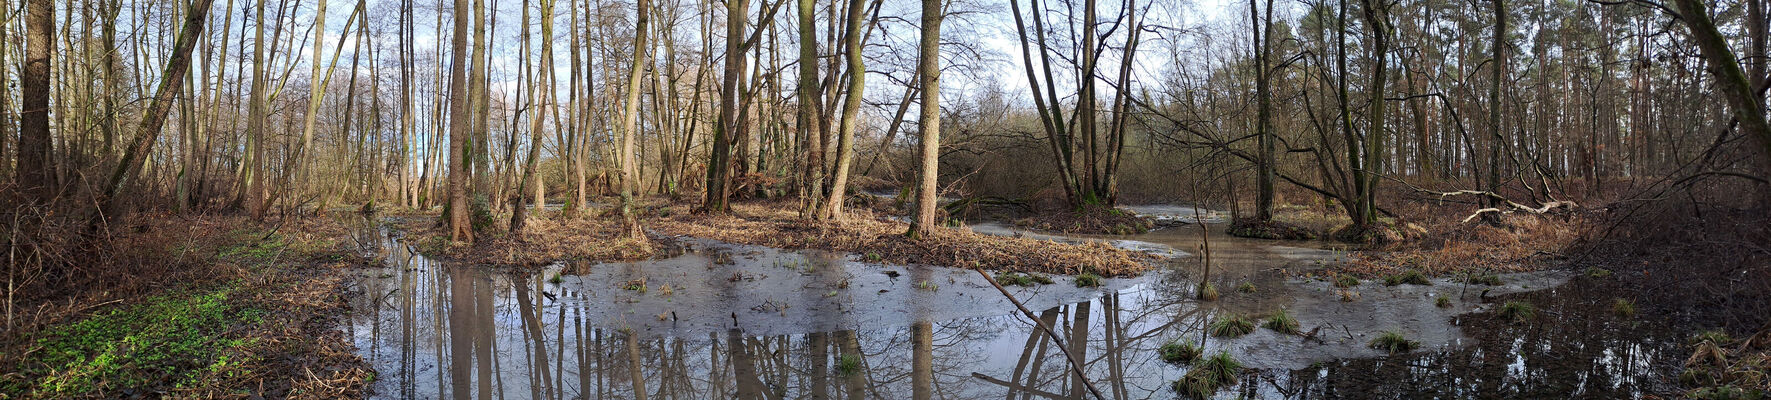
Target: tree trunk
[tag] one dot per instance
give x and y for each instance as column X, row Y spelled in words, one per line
column 35, row 147
column 628, row 130
column 460, row 228
column 718, row 164
column 172, row 79
column 1733, row 82
column 809, row 122
column 851, row 111
column 929, row 123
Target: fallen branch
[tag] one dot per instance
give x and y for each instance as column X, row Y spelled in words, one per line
column 1075, row 364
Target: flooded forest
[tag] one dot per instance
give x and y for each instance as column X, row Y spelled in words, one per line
column 871, row 199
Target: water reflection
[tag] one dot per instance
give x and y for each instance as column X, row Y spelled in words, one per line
column 449, row 331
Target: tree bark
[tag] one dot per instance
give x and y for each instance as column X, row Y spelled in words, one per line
column 171, row 81
column 929, row 122
column 630, row 171
column 851, row 111
column 35, row 147
column 460, row 228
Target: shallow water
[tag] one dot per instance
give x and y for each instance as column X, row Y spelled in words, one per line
column 724, row 321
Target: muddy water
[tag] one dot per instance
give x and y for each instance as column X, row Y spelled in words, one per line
column 730, row 321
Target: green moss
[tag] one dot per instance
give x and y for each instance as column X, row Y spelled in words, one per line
column 1088, row 279
column 1282, row 322
column 1517, row 311
column 1232, row 325
column 1180, row 352
column 1393, row 342
column 180, row 339
column 1409, row 277
column 1598, row 273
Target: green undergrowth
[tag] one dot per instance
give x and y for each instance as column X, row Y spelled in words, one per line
column 177, row 340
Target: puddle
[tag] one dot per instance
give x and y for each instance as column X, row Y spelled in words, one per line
column 752, row 322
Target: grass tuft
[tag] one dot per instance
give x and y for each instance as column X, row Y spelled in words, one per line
column 1345, row 281
column 1208, row 292
column 1020, row 279
column 1713, row 336
column 1245, row 287
column 1088, row 279
column 1442, row 302
column 1180, row 352
column 1518, row 311
column 1282, row 322
column 848, row 365
column 1393, row 342
column 1231, row 325
column 1623, row 307
column 1489, row 279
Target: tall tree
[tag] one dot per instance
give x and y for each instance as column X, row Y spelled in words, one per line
column 809, row 121
column 1263, row 124
column 851, row 110
column 460, row 228
column 254, row 187
column 172, row 78
column 629, row 171
column 542, row 99
column 35, row 147
column 719, row 162
column 1732, row 81
column 929, row 121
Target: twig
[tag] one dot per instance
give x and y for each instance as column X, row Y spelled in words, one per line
column 1075, row 364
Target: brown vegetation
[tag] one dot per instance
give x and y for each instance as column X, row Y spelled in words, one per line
column 545, row 241
column 771, row 224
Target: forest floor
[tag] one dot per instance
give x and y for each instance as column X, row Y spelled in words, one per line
column 194, row 307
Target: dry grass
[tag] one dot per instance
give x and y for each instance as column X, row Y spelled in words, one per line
column 546, row 241
column 778, row 225
column 1527, row 243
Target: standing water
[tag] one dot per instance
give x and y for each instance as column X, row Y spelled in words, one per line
column 720, row 320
